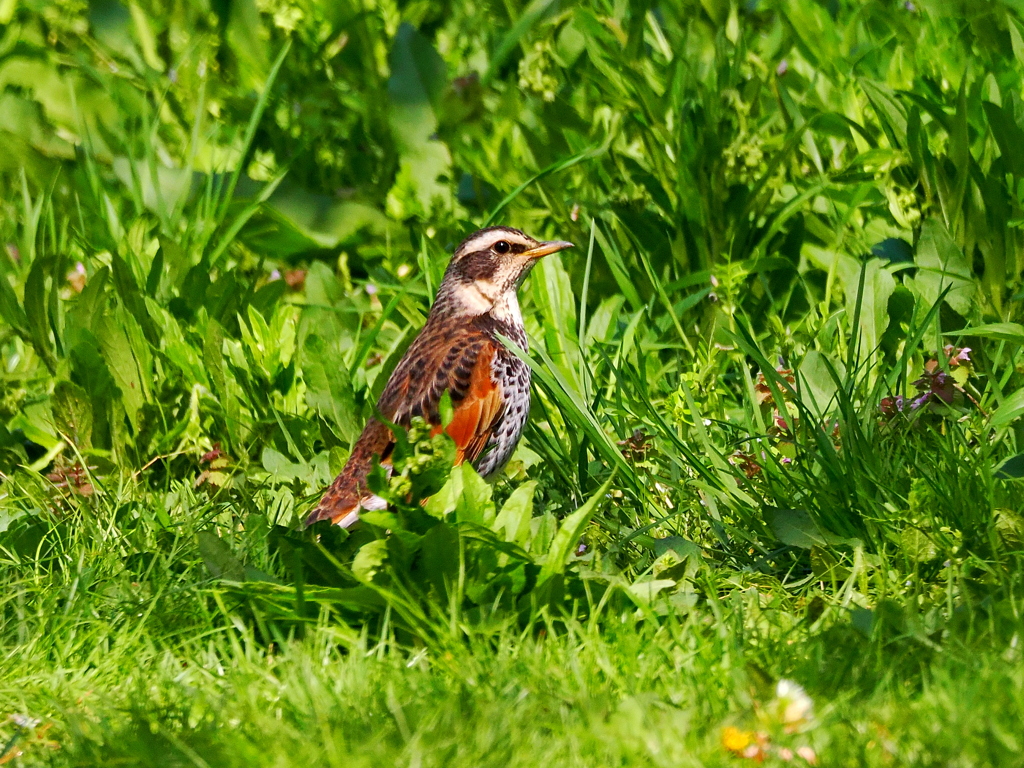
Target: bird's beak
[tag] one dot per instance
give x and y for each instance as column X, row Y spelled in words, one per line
column 545, row 248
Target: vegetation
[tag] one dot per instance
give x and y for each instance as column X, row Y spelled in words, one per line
column 769, row 503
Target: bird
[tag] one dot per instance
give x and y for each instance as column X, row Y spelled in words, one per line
column 458, row 351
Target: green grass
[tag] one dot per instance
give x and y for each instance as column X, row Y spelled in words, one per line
column 752, row 460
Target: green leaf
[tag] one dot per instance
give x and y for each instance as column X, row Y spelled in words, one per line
column 1010, row 526
column 294, row 220
column 553, row 295
column 36, row 315
column 281, row 467
column 917, row 545
column 891, row 113
column 1009, row 410
column 72, row 412
column 1012, row 332
column 219, row 559
column 1008, row 136
column 863, row 620
column 248, row 40
column 133, row 298
column 328, row 388
column 418, row 78
column 440, row 556
column 683, row 548
column 516, row 513
column 818, row 388
column 213, row 357
column 569, row 533
column 796, row 528
column 1016, row 38
column 369, row 561
column 1012, row 468
column 644, row 592
column 445, row 409
column 122, row 356
column 474, row 504
column 942, row 265
column 10, row 309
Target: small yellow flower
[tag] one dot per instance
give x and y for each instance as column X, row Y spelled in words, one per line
column 734, row 739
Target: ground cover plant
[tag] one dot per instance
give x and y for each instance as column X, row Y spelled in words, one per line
column 768, row 507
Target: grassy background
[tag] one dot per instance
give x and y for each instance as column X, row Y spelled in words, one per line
column 758, row 451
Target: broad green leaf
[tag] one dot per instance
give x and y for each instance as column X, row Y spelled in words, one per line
column 1012, row 468
column 440, row 552
column 796, row 528
column 682, row 548
column 601, row 325
column 917, row 545
column 219, row 558
column 942, row 265
column 213, row 356
column 1011, row 409
column 1010, row 526
column 1012, row 332
column 474, row 504
column 891, row 113
column 1008, row 136
column 328, row 388
column 516, row 513
column 369, row 561
column 123, row 347
column 818, row 388
column 553, row 294
column 36, row 314
column 417, row 80
column 132, row 296
column 294, row 220
column 569, row 534
column 281, row 467
column 248, row 40
column 1016, row 38
column 72, row 413
column 644, row 592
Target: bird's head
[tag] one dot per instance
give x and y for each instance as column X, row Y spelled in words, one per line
column 488, row 267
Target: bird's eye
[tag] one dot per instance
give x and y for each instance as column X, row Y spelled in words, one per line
column 502, row 246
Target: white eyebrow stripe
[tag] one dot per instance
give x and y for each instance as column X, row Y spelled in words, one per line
column 487, row 239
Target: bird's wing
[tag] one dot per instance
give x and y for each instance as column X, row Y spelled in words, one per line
column 477, row 405
column 460, row 362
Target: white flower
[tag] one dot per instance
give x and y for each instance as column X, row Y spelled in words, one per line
column 24, row 721
column 792, row 702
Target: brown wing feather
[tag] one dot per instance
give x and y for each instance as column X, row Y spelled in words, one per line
column 475, row 414
column 455, row 359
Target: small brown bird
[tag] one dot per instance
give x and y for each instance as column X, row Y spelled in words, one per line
column 458, row 350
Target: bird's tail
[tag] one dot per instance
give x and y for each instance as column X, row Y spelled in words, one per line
column 348, row 493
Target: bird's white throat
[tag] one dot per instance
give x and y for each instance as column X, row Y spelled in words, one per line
column 483, row 296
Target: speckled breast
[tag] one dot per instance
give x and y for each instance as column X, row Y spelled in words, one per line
column 513, row 377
